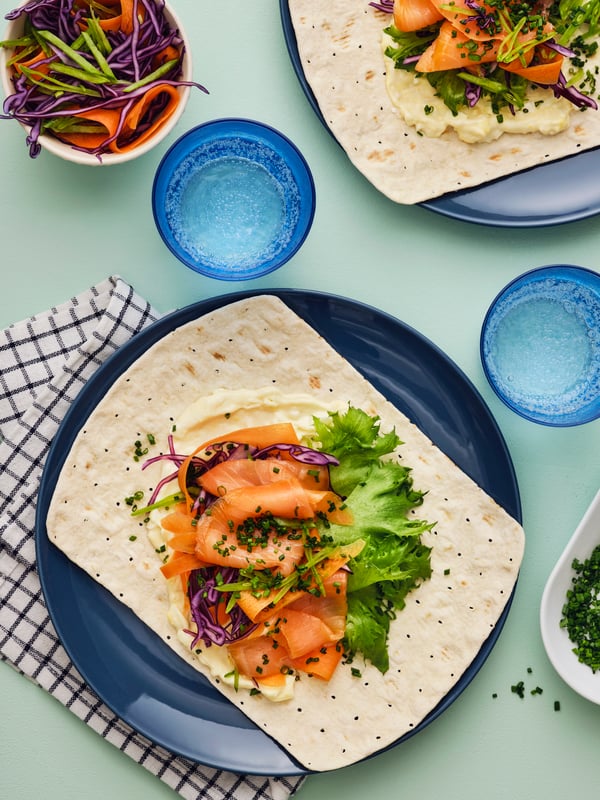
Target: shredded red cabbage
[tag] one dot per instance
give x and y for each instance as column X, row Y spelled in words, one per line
column 387, row 6
column 130, row 60
column 204, row 601
column 472, row 93
column 561, row 89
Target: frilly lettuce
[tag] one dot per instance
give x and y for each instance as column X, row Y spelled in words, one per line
column 380, row 494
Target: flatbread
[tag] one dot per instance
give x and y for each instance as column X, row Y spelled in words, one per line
column 339, row 44
column 477, row 546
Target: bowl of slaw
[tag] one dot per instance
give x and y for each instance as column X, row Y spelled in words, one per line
column 95, row 87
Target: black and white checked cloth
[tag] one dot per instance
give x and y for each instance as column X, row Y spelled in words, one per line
column 44, row 362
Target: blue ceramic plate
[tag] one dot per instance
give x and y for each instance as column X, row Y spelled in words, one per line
column 562, row 191
column 126, row 664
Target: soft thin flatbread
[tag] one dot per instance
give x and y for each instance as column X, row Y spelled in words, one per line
column 477, row 546
column 339, row 44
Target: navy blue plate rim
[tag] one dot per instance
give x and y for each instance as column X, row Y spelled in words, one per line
column 527, row 199
column 139, row 677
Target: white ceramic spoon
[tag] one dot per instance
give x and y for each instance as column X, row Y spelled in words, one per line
column 556, row 640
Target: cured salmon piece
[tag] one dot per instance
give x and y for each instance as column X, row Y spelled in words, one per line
column 480, row 23
column 268, row 549
column 299, row 637
column 259, row 655
column 236, row 473
column 453, row 50
column 545, row 73
column 331, row 608
column 412, row 15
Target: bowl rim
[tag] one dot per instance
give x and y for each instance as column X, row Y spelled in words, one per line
column 558, row 269
column 234, row 127
column 68, row 153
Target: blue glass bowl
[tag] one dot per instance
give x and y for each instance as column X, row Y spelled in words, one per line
column 233, row 199
column 540, row 345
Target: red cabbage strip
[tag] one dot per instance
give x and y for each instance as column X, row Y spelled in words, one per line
column 561, row 89
column 472, row 93
column 60, row 17
column 149, row 6
column 559, row 48
column 133, row 42
column 301, row 453
column 204, row 600
column 387, row 6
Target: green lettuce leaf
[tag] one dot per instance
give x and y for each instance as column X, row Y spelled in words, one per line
column 354, row 439
column 382, row 499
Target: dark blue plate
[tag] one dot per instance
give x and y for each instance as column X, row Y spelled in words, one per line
column 125, row 663
column 551, row 194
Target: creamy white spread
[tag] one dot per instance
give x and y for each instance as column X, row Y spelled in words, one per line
column 205, row 418
column 417, row 103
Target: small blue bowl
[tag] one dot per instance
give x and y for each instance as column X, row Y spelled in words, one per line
column 540, row 345
column 233, row 199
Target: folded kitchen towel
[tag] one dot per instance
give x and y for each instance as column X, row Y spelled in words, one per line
column 44, row 362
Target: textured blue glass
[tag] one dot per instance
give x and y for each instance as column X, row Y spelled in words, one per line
column 233, row 199
column 540, row 345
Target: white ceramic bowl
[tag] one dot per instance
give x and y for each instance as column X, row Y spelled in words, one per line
column 556, row 639
column 65, row 151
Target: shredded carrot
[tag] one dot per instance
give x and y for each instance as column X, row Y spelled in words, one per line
column 108, row 121
column 181, row 563
column 260, row 435
column 169, row 53
column 544, row 72
column 128, row 9
column 322, row 662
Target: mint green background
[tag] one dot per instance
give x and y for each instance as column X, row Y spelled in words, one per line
column 65, row 227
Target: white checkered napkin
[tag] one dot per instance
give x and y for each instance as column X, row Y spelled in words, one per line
column 44, row 362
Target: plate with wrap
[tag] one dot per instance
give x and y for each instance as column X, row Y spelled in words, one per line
column 471, row 183
column 101, row 575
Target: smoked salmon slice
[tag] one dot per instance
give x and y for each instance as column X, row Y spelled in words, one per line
column 236, row 473
column 453, row 50
column 298, row 637
column 412, row 15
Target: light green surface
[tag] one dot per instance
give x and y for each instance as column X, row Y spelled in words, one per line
column 65, row 227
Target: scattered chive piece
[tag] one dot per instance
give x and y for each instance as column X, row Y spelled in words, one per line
column 518, row 688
